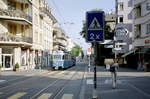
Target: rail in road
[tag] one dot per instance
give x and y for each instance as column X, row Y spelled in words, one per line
column 54, row 88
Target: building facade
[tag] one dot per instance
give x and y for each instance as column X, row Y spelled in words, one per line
column 26, row 34
column 124, row 32
column 15, row 33
column 43, row 24
column 141, row 26
column 60, row 39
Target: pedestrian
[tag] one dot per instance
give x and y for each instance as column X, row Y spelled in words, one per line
column 113, row 69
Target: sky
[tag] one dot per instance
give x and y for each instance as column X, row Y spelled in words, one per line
column 71, row 13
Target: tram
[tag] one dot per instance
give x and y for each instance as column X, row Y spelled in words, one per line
column 62, row 60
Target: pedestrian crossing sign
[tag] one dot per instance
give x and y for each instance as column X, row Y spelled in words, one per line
column 95, row 26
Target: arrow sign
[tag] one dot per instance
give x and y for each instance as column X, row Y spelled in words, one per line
column 95, row 26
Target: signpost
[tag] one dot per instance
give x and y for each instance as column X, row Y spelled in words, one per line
column 95, row 33
column 89, row 57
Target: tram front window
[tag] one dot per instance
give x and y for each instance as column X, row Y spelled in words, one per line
column 57, row 57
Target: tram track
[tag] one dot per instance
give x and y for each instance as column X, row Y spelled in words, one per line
column 63, row 86
column 12, row 87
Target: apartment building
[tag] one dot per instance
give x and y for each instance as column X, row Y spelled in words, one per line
column 43, row 24
column 26, row 34
column 110, row 19
column 15, row 33
column 141, row 26
column 60, row 39
column 124, row 32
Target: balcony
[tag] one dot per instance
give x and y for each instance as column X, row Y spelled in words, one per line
column 14, row 39
column 23, row 1
column 15, row 15
column 136, row 2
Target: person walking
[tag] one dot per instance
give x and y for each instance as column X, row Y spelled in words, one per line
column 113, row 70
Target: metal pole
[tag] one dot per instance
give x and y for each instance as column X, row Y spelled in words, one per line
column 89, row 63
column 95, row 85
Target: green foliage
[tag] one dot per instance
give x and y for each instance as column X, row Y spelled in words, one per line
column 76, row 50
column 0, row 65
column 16, row 65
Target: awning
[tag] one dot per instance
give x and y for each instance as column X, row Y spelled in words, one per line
column 128, row 53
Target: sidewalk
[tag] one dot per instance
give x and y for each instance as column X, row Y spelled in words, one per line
column 125, row 77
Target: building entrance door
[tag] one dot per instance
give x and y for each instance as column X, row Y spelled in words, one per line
column 7, row 62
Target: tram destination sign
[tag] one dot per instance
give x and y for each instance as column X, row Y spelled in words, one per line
column 95, row 26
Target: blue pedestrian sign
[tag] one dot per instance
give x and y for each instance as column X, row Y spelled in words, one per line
column 95, row 26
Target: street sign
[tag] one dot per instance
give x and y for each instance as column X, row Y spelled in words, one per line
column 117, row 48
column 89, row 51
column 108, row 46
column 95, row 26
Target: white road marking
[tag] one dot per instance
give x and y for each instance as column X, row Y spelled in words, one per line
column 1, row 93
column 61, row 72
column 17, row 95
column 45, row 96
column 109, row 81
column 1, row 81
column 89, row 81
column 67, row 96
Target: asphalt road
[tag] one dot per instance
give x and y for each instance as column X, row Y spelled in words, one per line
column 74, row 83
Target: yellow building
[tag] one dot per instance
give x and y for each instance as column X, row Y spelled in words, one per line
column 15, row 33
column 22, row 33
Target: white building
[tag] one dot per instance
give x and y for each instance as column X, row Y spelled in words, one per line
column 60, row 39
column 43, row 24
column 141, row 24
column 124, row 31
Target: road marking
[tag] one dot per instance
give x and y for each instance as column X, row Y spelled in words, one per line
column 80, row 73
column 89, row 81
column 45, row 96
column 1, row 93
column 109, row 81
column 61, row 72
column 17, row 95
column 67, row 96
column 1, row 81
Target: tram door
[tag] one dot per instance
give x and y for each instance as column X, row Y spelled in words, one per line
column 7, row 62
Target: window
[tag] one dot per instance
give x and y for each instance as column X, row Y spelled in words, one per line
column 120, row 19
column 120, row 6
column 41, row 23
column 57, row 57
column 11, row 5
column 138, row 30
column 12, row 28
column 148, row 28
column 138, row 11
column 148, row 5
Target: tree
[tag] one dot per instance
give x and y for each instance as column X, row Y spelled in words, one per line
column 76, row 50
